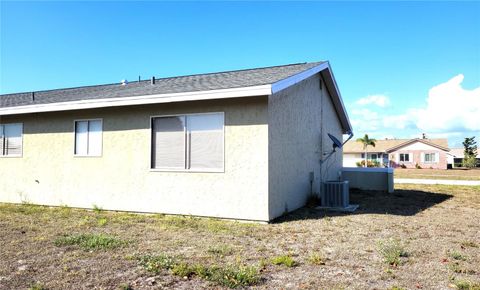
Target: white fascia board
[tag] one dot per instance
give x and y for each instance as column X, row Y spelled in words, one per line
column 140, row 100
column 290, row 81
column 350, row 128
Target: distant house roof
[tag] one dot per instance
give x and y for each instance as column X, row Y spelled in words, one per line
column 388, row 145
column 229, row 84
column 459, row 152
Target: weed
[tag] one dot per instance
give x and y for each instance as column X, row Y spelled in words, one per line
column 97, row 209
column 392, row 250
column 102, row 221
column 125, row 286
column 397, row 288
column 231, row 276
column 286, row 260
column 221, row 251
column 156, row 263
column 466, row 285
column 457, row 268
column 90, row 241
column 316, row 259
column 457, row 256
column 469, row 244
column 37, row 286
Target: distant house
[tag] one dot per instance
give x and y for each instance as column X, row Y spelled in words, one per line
column 456, row 155
column 240, row 144
column 426, row 153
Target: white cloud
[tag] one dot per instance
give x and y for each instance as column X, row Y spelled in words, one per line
column 379, row 100
column 450, row 108
column 451, row 112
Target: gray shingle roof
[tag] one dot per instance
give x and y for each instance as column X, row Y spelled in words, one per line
column 181, row 84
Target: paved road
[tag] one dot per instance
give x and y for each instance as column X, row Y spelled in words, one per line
column 438, row 181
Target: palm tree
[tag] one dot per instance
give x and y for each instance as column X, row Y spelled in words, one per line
column 366, row 141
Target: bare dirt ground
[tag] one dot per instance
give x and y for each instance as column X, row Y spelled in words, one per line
column 455, row 174
column 436, row 230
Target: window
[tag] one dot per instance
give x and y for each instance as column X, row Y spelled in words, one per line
column 430, row 157
column 188, row 142
column 373, row 157
column 405, row 157
column 11, row 143
column 88, row 138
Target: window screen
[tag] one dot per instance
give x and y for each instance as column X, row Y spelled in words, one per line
column 11, row 142
column 189, row 142
column 88, row 138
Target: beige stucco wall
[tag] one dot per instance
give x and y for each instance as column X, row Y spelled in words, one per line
column 121, row 179
column 295, row 148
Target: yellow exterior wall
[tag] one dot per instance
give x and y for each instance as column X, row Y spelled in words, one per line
column 121, row 178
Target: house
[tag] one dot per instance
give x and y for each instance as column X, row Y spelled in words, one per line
column 426, row 153
column 241, row 144
column 456, row 155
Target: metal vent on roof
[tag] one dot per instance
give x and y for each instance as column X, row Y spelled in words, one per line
column 124, row 82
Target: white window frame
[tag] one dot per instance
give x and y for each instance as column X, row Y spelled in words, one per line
column 75, row 137
column 404, row 154
column 430, row 161
column 208, row 170
column 1, row 145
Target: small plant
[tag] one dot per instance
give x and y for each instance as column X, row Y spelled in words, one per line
column 403, row 166
column 392, row 250
column 102, row 221
column 230, row 276
column 125, row 286
column 156, row 263
column 316, row 259
column 457, row 256
column 285, row 260
column 221, row 251
column 90, row 241
column 37, row 286
column 97, row 209
column 418, row 166
column 469, row 244
column 466, row 285
column 397, row 288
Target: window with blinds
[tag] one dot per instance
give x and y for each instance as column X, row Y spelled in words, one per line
column 188, row 142
column 11, row 139
column 88, row 138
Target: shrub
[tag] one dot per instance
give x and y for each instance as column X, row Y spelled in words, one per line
column 418, row 166
column 90, row 241
column 370, row 163
column 392, row 250
column 286, row 260
column 403, row 166
column 466, row 285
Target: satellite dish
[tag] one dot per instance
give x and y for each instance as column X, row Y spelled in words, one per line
column 336, row 142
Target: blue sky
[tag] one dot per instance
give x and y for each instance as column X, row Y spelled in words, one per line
column 403, row 68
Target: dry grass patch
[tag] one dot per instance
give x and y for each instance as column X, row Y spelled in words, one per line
column 429, row 222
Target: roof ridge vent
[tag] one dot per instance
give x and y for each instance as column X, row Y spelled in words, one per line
column 124, row 82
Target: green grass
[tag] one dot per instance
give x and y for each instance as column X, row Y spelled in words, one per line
column 90, row 241
column 231, row 276
column 458, row 256
column 220, row 250
column 37, row 286
column 392, row 250
column 466, row 285
column 285, row 260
